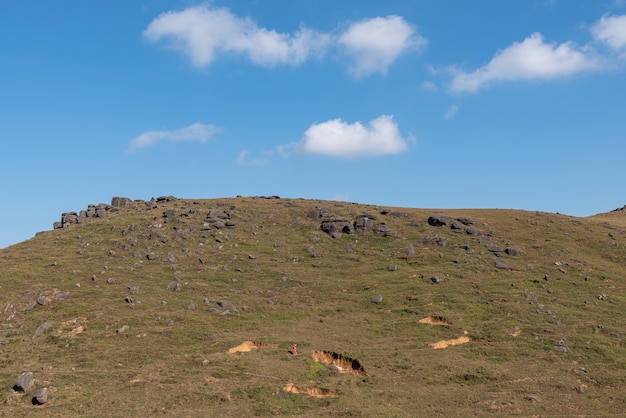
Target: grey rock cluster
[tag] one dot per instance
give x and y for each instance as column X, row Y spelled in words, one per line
column 362, row 224
column 92, row 211
column 457, row 225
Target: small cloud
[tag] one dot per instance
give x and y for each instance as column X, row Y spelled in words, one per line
column 337, row 138
column 611, row 31
column 197, row 132
column 452, row 111
column 341, row 197
column 528, row 60
column 202, row 32
column 374, row 44
column 244, row 159
column 429, row 86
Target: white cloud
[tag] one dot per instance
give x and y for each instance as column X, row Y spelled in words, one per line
column 374, row 44
column 527, row 60
column 201, row 33
column 611, row 30
column 197, row 132
column 451, row 112
column 337, row 138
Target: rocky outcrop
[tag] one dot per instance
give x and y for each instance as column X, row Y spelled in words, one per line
column 99, row 211
column 363, row 224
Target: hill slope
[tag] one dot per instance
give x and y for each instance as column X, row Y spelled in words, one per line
column 179, row 307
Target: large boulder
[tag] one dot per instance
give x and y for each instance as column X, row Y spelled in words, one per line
column 337, row 226
column 439, row 220
column 364, row 223
column 120, row 201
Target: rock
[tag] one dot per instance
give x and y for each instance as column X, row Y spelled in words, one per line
column 472, row 231
column 151, row 256
column 41, row 397
column 382, row 229
column 337, row 226
column 123, row 329
column 317, row 213
column 24, row 382
column 456, row 225
column 175, row 286
column 41, row 329
column 377, row 299
column 392, row 267
column 120, row 201
column 439, row 220
column 409, row 251
column 465, row 221
column 364, row 223
column 512, row 251
column 68, row 218
column 534, row 398
column 500, row 265
column 437, row 279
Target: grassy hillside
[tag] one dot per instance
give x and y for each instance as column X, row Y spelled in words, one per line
column 161, row 311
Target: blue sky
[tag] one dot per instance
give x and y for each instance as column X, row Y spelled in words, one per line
column 431, row 104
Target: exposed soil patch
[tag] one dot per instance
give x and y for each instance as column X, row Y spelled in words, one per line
column 246, row 346
column 449, row 343
column 73, row 327
column 435, row 320
column 315, row 392
column 339, row 362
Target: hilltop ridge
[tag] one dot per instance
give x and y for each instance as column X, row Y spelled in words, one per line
column 182, row 306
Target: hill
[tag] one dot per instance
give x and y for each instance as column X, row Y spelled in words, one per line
column 185, row 307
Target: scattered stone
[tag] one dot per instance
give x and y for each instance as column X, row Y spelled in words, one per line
column 500, row 264
column 534, row 398
column 175, row 286
column 41, row 329
column 24, row 382
column 123, row 329
column 377, row 299
column 41, row 397
column 437, row 279
column 392, row 267
column 512, row 251
column 151, row 256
